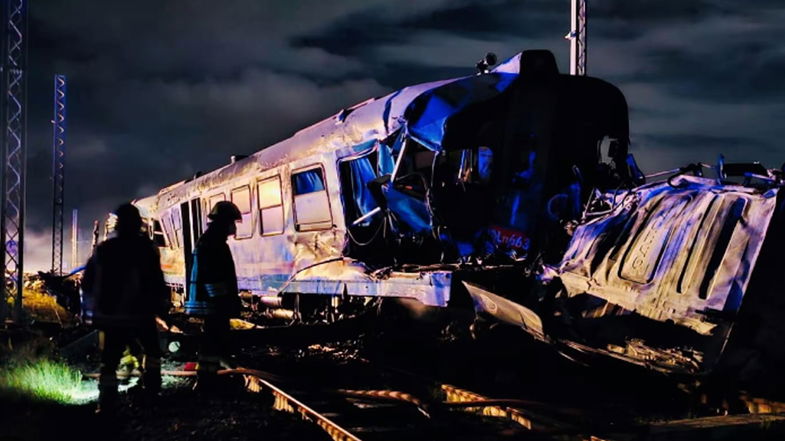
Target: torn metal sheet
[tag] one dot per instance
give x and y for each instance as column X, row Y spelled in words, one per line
column 506, row 310
column 672, row 255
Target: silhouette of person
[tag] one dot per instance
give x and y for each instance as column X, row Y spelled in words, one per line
column 124, row 288
column 212, row 291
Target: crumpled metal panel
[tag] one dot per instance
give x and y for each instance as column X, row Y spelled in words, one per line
column 438, row 104
column 672, row 253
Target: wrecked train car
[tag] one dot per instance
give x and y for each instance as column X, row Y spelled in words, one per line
column 408, row 195
column 677, row 276
column 510, row 192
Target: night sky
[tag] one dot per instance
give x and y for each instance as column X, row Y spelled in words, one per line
column 158, row 90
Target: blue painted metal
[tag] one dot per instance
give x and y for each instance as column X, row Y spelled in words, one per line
column 437, row 105
column 58, row 171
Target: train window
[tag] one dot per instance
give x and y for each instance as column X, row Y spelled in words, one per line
column 242, row 198
column 177, row 226
column 414, row 170
column 158, row 234
column 270, row 206
column 358, row 199
column 211, row 201
column 308, row 181
column 167, row 226
column 468, row 166
column 214, row 199
column 311, row 202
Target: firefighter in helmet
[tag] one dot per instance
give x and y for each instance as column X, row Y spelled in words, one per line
column 212, row 290
column 125, row 288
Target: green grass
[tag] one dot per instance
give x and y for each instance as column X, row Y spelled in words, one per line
column 42, row 380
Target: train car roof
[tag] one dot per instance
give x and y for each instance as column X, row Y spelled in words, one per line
column 374, row 119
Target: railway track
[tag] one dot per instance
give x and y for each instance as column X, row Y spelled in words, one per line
column 363, row 401
column 340, row 416
column 356, row 398
column 383, row 414
column 377, row 399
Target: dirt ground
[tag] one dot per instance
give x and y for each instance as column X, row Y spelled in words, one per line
column 179, row 414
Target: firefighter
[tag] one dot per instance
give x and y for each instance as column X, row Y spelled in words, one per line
column 124, row 289
column 212, row 291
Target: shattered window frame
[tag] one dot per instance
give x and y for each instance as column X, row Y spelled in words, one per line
column 244, row 232
column 177, row 225
column 351, row 209
column 166, row 223
column 266, row 207
column 322, row 224
column 158, row 234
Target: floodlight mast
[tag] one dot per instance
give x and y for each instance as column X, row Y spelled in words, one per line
column 577, row 37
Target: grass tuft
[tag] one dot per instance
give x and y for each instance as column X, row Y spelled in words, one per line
column 43, row 380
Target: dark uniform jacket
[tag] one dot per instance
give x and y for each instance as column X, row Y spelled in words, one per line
column 123, row 285
column 212, row 288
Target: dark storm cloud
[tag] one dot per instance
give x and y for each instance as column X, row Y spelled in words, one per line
column 701, row 143
column 718, row 57
column 161, row 89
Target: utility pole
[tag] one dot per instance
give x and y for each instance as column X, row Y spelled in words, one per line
column 58, row 173
column 13, row 117
column 74, row 239
column 577, row 37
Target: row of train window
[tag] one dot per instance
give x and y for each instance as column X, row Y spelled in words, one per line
column 311, row 208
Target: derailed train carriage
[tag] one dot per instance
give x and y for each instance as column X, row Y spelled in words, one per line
column 510, row 192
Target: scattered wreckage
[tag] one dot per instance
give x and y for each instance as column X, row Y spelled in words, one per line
column 510, row 191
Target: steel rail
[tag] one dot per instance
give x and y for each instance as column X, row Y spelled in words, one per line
column 456, row 395
column 255, row 382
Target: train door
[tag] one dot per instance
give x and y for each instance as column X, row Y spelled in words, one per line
column 191, row 215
